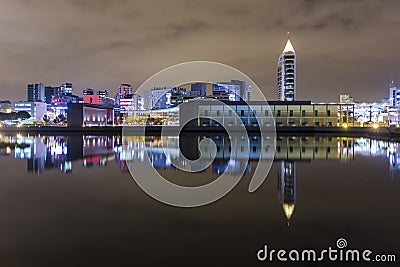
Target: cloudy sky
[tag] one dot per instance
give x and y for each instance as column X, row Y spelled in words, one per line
column 341, row 46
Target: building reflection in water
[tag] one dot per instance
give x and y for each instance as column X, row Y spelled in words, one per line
column 287, row 187
column 60, row 152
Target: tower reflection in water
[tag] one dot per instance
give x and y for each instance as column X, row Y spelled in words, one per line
column 287, row 187
column 62, row 152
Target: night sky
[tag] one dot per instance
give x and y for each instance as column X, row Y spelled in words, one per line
column 341, row 46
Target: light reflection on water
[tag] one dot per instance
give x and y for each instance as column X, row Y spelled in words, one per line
column 310, row 196
column 62, row 152
column 49, row 152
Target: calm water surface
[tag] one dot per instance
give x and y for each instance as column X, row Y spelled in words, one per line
column 70, row 201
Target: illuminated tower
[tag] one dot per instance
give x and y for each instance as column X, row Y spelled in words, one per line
column 287, row 186
column 287, row 73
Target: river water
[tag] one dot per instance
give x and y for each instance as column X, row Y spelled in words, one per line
column 71, row 201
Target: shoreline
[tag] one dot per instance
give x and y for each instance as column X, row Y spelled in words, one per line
column 156, row 130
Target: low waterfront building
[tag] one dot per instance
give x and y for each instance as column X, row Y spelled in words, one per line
column 80, row 114
column 36, row 109
column 285, row 113
column 35, row 92
column 5, row 106
column 97, row 97
column 287, row 73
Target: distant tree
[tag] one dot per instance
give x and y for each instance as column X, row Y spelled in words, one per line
column 21, row 115
column 46, row 118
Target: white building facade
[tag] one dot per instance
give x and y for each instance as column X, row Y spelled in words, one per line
column 37, row 110
column 287, row 73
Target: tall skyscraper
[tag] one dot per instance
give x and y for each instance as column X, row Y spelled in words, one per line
column 35, row 92
column 90, row 91
column 157, row 98
column 287, row 73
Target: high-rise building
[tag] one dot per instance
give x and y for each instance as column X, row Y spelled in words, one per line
column 346, row 99
column 245, row 89
column 49, row 92
column 90, row 91
column 35, row 92
column 157, row 98
column 66, row 89
column 287, row 73
column 125, row 89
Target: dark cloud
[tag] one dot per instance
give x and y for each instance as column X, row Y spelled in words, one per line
column 342, row 46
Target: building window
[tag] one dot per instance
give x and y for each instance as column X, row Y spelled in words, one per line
column 328, row 113
column 303, row 113
column 242, row 113
column 316, row 113
column 291, row 113
column 278, row 113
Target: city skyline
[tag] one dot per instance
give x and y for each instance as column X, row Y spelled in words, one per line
column 341, row 47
